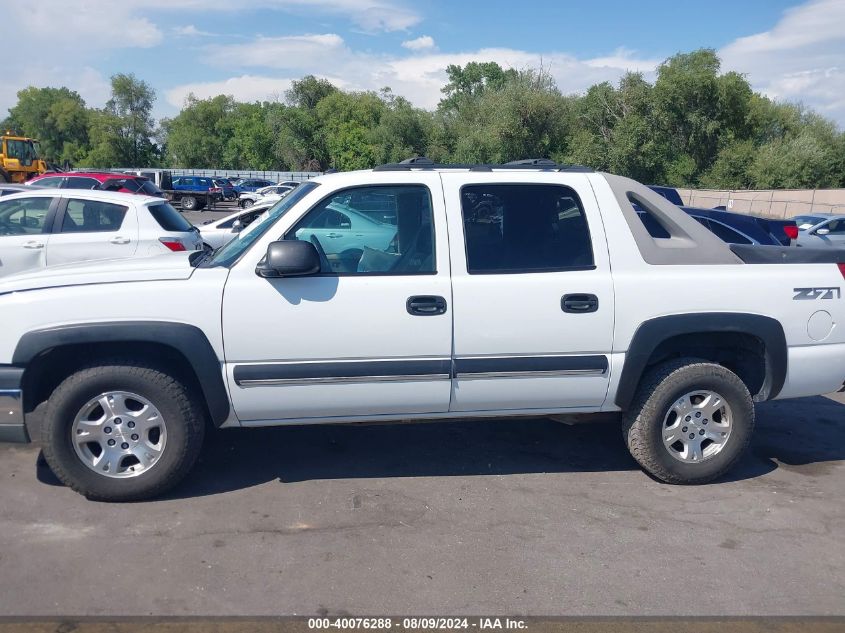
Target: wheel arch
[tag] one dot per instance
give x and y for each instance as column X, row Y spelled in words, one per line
column 754, row 344
column 184, row 343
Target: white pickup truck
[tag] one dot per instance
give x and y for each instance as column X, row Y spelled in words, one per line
column 416, row 291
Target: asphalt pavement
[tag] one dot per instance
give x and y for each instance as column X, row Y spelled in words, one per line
column 525, row 516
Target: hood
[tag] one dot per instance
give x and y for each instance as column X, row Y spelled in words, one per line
column 169, row 266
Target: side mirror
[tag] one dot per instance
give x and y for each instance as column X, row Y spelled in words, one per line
column 237, row 226
column 822, row 231
column 289, row 258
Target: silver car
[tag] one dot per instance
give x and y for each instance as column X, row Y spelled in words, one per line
column 821, row 230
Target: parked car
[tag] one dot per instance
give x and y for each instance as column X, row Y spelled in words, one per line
column 549, row 299
column 670, row 193
column 9, row 188
column 247, row 199
column 821, row 230
column 217, row 233
column 226, row 187
column 251, row 184
column 44, row 228
column 194, row 193
column 733, row 228
column 105, row 181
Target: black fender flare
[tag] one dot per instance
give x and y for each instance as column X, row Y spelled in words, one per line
column 653, row 332
column 190, row 341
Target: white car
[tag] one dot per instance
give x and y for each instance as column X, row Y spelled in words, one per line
column 526, row 289
column 217, row 233
column 273, row 192
column 49, row 227
column 816, row 230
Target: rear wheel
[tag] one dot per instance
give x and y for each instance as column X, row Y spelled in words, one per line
column 246, row 204
column 122, row 431
column 690, row 421
column 189, row 203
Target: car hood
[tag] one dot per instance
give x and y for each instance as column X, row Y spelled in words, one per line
column 169, row 266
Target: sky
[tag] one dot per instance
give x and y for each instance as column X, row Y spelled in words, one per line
column 253, row 49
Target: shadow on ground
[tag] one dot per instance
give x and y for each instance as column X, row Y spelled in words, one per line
column 806, row 436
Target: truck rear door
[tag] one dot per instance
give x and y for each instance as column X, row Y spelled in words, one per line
column 532, row 292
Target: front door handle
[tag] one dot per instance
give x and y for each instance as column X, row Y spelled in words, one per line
column 120, row 240
column 426, row 305
column 32, row 244
column 579, row 303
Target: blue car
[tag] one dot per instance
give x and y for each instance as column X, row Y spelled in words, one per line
column 251, row 184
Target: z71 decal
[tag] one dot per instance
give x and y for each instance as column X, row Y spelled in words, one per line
column 808, row 294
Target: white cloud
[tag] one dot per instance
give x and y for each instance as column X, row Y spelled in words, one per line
column 418, row 77
column 191, row 31
column 87, row 81
column 802, row 58
column 292, row 52
column 246, row 88
column 421, row 43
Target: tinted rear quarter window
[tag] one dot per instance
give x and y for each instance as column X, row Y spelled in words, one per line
column 149, row 188
column 79, row 182
column 169, row 218
column 521, row 228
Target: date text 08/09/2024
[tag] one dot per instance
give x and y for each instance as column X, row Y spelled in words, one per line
column 432, row 623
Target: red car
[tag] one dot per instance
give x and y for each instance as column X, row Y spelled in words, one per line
column 108, row 181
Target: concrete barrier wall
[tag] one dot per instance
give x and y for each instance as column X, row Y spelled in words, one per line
column 776, row 203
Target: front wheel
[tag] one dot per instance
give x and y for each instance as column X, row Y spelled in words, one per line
column 122, row 431
column 189, row 203
column 690, row 421
column 246, row 204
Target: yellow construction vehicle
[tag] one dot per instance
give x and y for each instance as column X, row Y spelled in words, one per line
column 19, row 159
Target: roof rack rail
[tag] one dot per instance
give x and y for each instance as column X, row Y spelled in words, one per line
column 540, row 164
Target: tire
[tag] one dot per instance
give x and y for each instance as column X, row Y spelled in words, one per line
column 659, row 414
column 181, row 429
column 4, row 177
column 246, row 204
column 189, row 203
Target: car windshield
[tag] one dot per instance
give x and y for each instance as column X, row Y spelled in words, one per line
column 230, row 253
column 805, row 222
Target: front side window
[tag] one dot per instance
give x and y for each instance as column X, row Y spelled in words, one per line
column 231, row 252
column 23, row 216
column 351, row 241
column 523, row 228
column 92, row 216
column 48, row 182
column 836, row 227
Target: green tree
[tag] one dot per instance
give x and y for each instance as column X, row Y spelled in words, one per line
column 130, row 124
column 57, row 117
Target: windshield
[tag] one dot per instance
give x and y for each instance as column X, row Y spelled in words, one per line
column 230, row 253
column 805, row 222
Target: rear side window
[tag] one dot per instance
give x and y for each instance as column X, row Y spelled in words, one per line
column 727, row 234
column 169, row 218
column 92, row 216
column 149, row 188
column 79, row 182
column 524, row 228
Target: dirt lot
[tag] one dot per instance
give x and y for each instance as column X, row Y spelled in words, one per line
column 519, row 517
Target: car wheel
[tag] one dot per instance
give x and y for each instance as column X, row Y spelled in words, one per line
column 189, row 203
column 690, row 421
column 122, row 431
column 246, row 204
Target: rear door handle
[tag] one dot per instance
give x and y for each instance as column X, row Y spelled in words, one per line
column 120, row 240
column 32, row 244
column 579, row 303
column 426, row 305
